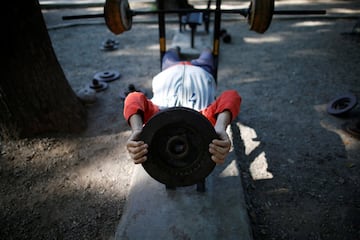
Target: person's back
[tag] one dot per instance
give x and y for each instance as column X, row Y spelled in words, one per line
column 183, row 85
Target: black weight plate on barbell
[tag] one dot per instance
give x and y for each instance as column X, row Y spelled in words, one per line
column 178, row 140
column 342, row 104
column 118, row 17
column 260, row 15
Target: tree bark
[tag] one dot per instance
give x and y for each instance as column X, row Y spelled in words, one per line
column 35, row 96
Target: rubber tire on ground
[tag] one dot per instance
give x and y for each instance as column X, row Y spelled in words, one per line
column 342, row 104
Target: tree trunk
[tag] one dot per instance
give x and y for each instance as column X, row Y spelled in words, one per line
column 35, row 96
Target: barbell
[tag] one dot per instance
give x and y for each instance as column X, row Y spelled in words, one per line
column 119, row 16
column 178, row 140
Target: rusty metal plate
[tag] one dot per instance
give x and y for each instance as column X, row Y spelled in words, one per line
column 260, row 15
column 178, row 140
column 118, row 17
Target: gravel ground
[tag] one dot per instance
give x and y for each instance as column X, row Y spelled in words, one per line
column 300, row 168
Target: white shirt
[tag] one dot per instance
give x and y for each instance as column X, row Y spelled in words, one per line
column 185, row 86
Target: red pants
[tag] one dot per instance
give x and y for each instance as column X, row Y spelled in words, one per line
column 136, row 102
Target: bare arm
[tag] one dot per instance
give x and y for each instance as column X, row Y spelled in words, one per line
column 219, row 148
column 137, row 149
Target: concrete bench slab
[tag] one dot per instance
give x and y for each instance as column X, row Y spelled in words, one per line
column 154, row 212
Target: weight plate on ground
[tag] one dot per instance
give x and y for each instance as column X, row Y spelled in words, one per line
column 260, row 15
column 107, row 76
column 109, row 45
column 87, row 95
column 178, row 140
column 342, row 104
column 117, row 15
column 98, row 86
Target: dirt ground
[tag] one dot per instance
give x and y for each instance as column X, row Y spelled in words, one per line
column 300, row 169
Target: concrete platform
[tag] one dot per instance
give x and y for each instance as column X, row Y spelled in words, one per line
column 153, row 212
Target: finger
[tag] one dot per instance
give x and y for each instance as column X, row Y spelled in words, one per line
column 140, row 160
column 222, row 143
column 134, row 143
column 218, row 156
column 136, row 150
column 139, row 152
column 219, row 149
column 225, row 144
column 135, row 146
column 138, row 155
column 217, row 160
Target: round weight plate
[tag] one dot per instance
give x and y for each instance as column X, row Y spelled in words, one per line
column 109, row 45
column 87, row 95
column 117, row 15
column 260, row 16
column 178, row 140
column 98, row 86
column 107, row 76
column 342, row 104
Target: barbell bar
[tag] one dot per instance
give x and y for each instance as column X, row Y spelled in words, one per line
column 243, row 12
column 118, row 15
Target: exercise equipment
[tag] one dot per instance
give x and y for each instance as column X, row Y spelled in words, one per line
column 178, row 140
column 129, row 89
column 118, row 15
column 260, row 15
column 226, row 37
column 87, row 95
column 98, row 86
column 119, row 18
column 109, row 45
column 107, row 76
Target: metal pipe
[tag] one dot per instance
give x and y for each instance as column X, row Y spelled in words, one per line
column 299, row 12
column 244, row 12
column 101, row 15
column 162, row 32
column 216, row 40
